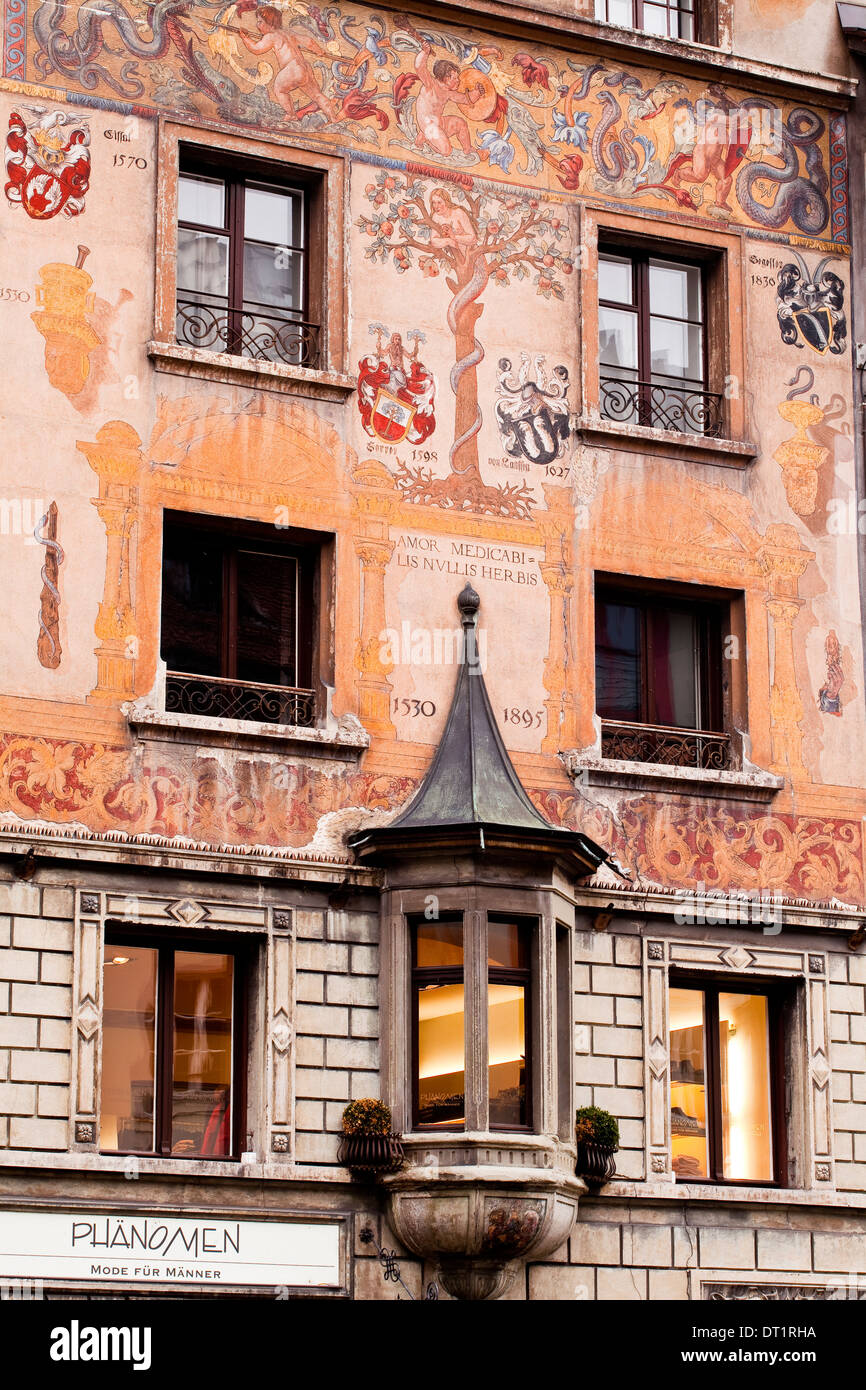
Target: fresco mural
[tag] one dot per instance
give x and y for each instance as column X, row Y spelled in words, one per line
column 381, row 83
column 48, row 648
column 47, row 162
column 811, row 306
column 463, row 454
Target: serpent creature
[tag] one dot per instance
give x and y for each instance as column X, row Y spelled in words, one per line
column 48, row 647
column 471, row 291
column 623, row 156
column 800, row 200
column 75, row 54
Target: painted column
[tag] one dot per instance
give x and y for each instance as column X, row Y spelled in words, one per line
column 116, row 458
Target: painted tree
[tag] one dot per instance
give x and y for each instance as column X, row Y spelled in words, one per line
column 474, row 239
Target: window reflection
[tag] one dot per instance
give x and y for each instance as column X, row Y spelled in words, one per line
column 128, row 1049
column 689, row 1144
column 202, row 1069
column 744, row 1045
column 441, row 1076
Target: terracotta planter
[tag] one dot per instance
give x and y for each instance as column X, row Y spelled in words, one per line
column 367, row 1154
column 596, row 1163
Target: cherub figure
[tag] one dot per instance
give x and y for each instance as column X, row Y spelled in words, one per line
column 294, row 72
column 439, row 87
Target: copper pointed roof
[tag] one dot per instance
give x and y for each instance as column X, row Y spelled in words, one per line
column 471, row 784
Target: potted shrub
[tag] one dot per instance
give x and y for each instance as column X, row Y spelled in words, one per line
column 368, row 1146
column 597, row 1135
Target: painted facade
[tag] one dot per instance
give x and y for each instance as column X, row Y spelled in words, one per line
column 451, row 431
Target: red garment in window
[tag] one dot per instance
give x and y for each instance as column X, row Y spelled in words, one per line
column 215, row 1143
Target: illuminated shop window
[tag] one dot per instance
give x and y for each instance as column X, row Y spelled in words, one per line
column 725, row 1111
column 672, row 19
column 247, row 277
column 171, row 1049
column 440, row 991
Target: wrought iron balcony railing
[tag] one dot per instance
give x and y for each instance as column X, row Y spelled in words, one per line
column 663, row 407
column 248, row 332
column 650, row 743
column 219, row 698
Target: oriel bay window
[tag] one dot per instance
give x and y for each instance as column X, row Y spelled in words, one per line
column 659, row 677
column 653, row 348
column 726, row 1083
column 238, row 605
column 441, row 1028
column 248, row 261
column 173, row 1047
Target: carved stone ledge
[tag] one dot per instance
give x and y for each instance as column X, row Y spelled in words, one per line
column 477, row 1220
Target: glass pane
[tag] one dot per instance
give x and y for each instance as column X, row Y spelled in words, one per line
column 617, row 338
column 677, row 351
column 506, row 1040
column 202, row 1069
column 655, row 18
column 686, row 25
column 508, row 945
column 201, row 200
column 273, row 214
column 689, row 1141
column 273, row 275
column 618, row 11
column 192, row 579
column 439, row 944
column 675, row 290
column 744, row 1044
column 615, row 279
column 202, row 264
column 617, row 661
column 673, row 665
column 441, row 1083
column 267, row 618
column 128, row 1049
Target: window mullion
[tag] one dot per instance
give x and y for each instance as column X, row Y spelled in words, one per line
column 164, row 1071
column 714, row 1086
column 475, row 1004
column 236, row 263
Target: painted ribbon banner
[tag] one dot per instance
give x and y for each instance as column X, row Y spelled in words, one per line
column 144, row 1249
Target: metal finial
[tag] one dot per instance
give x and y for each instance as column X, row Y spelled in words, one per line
column 468, row 602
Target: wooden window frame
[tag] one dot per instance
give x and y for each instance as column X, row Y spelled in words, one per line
column 167, row 945
column 314, row 552
column 713, row 613
column 236, row 173
column 325, row 174
column 710, row 380
column 705, row 20
column 777, row 992
column 723, row 253
column 444, row 975
column 233, row 537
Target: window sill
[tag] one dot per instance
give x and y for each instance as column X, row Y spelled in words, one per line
column 728, row 453
column 666, row 1191
column 343, row 737
column 263, row 376
column 590, row 770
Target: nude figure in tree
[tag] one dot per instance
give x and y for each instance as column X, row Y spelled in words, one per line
column 475, row 240
column 438, row 88
column 294, row 72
